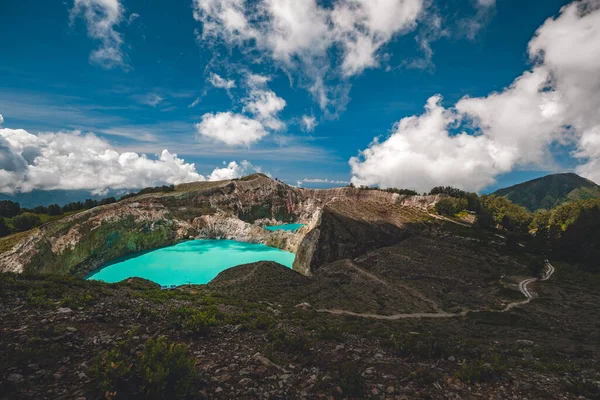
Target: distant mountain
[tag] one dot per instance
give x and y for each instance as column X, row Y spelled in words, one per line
column 550, row 191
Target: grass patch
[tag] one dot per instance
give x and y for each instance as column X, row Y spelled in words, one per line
column 482, row 370
column 162, row 370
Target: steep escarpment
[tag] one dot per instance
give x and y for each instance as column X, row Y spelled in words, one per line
column 82, row 242
column 349, row 227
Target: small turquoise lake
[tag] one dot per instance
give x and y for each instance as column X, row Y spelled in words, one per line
column 285, row 227
column 195, row 261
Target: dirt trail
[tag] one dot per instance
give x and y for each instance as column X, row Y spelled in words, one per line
column 523, row 287
column 412, row 291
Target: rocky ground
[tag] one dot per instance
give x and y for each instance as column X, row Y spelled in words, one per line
column 394, row 303
column 62, row 337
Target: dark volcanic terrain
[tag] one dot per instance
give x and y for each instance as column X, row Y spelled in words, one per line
column 386, row 301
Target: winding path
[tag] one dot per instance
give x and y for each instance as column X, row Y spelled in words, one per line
column 523, row 287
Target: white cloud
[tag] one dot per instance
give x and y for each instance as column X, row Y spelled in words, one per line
column 309, row 123
column 233, row 171
column 323, row 180
column 265, row 105
column 421, row 154
column 554, row 103
column 484, row 11
column 568, row 49
column 239, row 129
column 255, row 80
column 194, row 103
column 132, row 17
column 300, row 35
column 231, row 129
column 1, row 119
column 218, row 82
column 77, row 161
column 102, row 17
column 153, row 99
column 362, row 27
column 73, row 161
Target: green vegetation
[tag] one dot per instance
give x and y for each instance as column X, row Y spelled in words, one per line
column 162, row 370
column 570, row 232
column 290, row 343
column 15, row 219
column 157, row 189
column 482, row 370
column 450, row 206
column 404, row 192
column 550, row 191
column 419, row 346
column 350, row 380
column 504, row 213
column 196, row 322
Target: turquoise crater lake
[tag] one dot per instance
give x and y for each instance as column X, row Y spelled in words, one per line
column 285, row 227
column 195, row 261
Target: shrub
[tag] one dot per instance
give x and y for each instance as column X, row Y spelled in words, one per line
column 481, row 371
column 77, row 300
column 54, row 209
column 282, row 341
column 451, row 206
column 25, row 222
column 448, row 190
column 425, row 377
column 9, row 209
column 350, row 381
column 162, row 370
column 420, row 346
column 195, row 321
column 4, row 228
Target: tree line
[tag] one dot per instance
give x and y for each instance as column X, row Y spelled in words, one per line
column 568, row 232
column 14, row 218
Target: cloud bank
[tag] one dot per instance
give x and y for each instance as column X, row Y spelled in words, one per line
column 301, row 35
column 77, row 161
column 468, row 145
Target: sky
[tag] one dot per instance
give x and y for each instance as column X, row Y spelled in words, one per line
column 104, row 95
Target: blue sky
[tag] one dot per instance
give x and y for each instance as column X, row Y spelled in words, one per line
column 161, row 84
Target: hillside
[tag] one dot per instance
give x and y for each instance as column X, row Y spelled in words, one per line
column 386, row 300
column 550, row 191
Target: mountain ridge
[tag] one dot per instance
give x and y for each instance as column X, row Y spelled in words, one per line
column 550, row 191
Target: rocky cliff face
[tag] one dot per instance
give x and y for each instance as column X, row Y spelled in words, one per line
column 340, row 222
column 351, row 226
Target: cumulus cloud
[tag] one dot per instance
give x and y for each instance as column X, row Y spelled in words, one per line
column 233, row 171
column 219, row 82
column 421, row 154
column 265, row 105
column 468, row 145
column 102, row 17
column 299, row 35
column 1, row 119
column 231, row 129
column 77, row 161
column 238, row 129
column 308, row 123
column 74, row 160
